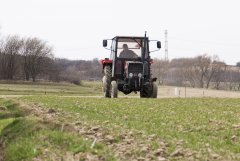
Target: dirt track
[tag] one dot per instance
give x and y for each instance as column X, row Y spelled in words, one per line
column 165, row 92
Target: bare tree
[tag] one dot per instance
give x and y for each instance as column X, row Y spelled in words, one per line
column 202, row 66
column 215, row 70
column 10, row 51
column 36, row 54
column 197, row 71
column 238, row 80
column 160, row 69
column 189, row 72
column 218, row 76
column 233, row 77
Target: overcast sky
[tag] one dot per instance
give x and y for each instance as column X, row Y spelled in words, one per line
column 76, row 27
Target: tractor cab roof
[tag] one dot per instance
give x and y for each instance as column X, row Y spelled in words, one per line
column 126, row 38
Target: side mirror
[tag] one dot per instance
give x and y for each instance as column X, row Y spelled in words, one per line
column 158, row 44
column 104, row 43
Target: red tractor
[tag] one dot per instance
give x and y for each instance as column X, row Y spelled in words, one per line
column 129, row 67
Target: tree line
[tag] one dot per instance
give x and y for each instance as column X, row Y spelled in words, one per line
column 23, row 58
column 202, row 71
column 32, row 59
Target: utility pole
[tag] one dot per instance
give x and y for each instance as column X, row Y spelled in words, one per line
column 166, row 45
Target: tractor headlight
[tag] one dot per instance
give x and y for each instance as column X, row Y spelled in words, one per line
column 139, row 75
column 130, row 75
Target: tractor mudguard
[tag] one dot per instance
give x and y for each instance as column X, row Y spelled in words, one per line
column 105, row 62
column 154, row 79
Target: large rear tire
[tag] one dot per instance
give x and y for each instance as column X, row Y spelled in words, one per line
column 114, row 89
column 155, row 90
column 107, row 81
column 150, row 93
column 144, row 94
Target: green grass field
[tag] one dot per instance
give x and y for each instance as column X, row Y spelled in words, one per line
column 26, row 137
column 199, row 123
column 117, row 129
column 29, row 88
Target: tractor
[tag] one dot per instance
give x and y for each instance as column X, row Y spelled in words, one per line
column 129, row 67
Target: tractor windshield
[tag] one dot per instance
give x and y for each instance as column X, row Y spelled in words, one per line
column 129, row 48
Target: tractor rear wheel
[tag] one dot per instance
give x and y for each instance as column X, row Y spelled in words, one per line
column 144, row 94
column 150, row 93
column 107, row 81
column 114, row 89
column 155, row 90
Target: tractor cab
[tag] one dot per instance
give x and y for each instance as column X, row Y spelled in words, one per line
column 129, row 67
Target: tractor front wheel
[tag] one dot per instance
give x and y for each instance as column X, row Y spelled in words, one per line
column 107, row 81
column 114, row 89
column 155, row 90
column 150, row 93
column 144, row 94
